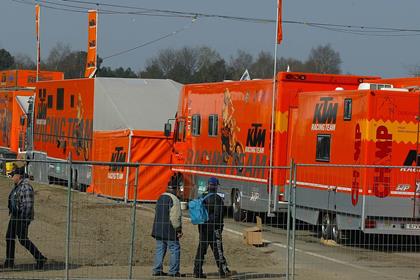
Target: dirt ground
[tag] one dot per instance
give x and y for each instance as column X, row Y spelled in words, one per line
column 100, row 239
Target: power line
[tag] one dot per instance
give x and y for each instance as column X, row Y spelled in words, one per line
column 151, row 42
column 132, row 10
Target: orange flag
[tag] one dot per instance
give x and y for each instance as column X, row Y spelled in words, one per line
column 91, row 66
column 279, row 21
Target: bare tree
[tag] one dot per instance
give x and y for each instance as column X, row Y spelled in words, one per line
column 323, row 59
column 57, row 55
column 263, row 66
column 207, row 56
column 186, row 65
column 292, row 64
column 23, row 61
column 239, row 63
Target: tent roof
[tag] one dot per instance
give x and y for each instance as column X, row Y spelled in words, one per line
column 142, row 104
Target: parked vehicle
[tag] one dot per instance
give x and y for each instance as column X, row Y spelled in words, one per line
column 375, row 125
column 17, row 87
column 229, row 124
column 104, row 119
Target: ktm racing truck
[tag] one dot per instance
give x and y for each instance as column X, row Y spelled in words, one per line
column 357, row 154
column 225, row 128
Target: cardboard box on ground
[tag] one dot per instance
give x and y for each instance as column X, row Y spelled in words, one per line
column 253, row 235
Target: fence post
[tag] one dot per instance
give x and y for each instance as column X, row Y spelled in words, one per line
column 68, row 224
column 133, row 224
column 294, row 223
column 288, row 217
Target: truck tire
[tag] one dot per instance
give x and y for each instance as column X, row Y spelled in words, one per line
column 326, row 226
column 238, row 213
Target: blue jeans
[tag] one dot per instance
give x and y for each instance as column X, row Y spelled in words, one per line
column 175, row 251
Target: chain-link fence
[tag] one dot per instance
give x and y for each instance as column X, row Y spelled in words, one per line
column 324, row 222
column 363, row 220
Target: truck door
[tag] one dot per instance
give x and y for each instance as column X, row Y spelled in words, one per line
column 179, row 142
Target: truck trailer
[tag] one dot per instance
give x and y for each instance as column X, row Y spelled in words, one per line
column 108, row 120
column 357, row 155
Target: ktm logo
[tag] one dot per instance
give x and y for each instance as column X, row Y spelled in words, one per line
column 411, row 161
column 118, row 156
column 255, row 140
column 325, row 114
column 412, row 157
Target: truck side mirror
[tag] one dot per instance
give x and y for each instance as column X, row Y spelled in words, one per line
column 167, row 129
column 22, row 120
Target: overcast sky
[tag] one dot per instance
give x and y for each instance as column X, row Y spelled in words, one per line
column 387, row 56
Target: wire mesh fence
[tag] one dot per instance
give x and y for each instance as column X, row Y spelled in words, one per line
column 322, row 222
column 364, row 219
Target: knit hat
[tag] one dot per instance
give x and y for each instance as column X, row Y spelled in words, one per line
column 213, row 181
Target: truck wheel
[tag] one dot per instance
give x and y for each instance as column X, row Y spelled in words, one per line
column 238, row 213
column 326, row 226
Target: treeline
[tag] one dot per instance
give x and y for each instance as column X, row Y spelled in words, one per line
column 185, row 65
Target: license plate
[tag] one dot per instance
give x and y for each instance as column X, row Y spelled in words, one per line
column 412, row 226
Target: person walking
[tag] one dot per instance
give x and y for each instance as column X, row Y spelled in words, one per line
column 167, row 229
column 210, row 233
column 21, row 211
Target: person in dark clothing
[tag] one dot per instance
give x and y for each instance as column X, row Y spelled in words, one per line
column 210, row 233
column 21, row 211
column 167, row 229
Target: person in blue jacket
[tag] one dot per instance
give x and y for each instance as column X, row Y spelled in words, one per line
column 210, row 233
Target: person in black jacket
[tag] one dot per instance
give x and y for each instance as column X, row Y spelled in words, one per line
column 21, row 211
column 167, row 229
column 211, row 232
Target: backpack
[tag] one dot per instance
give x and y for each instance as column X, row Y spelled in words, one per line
column 197, row 210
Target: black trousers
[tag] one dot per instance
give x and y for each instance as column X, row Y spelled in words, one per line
column 19, row 228
column 210, row 236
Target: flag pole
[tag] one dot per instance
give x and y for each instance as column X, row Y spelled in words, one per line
column 273, row 107
column 38, row 44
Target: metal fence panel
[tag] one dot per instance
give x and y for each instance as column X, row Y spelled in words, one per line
column 355, row 222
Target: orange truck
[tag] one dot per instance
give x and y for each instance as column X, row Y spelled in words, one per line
column 13, row 120
column 26, row 78
column 109, row 120
column 357, row 154
column 225, row 128
column 16, row 89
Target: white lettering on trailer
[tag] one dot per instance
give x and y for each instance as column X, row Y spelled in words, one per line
column 403, row 187
column 257, row 150
column 409, row 169
column 323, row 127
column 254, row 196
column 41, row 121
column 115, row 176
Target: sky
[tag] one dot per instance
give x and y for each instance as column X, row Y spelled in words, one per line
column 368, row 54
